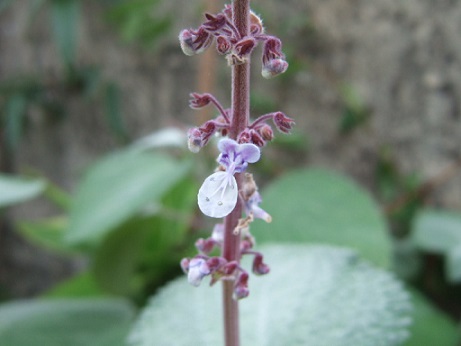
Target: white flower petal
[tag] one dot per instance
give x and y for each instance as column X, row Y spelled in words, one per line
column 218, row 194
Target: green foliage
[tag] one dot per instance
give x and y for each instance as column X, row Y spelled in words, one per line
column 440, row 232
column 81, row 285
column 140, row 20
column 46, row 233
column 430, row 325
column 65, row 15
column 15, row 189
column 355, row 112
column 71, row 322
column 320, row 206
column 116, row 188
column 369, row 308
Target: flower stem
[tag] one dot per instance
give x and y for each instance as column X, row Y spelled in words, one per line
column 239, row 121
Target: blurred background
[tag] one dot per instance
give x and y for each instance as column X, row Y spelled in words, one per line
column 374, row 88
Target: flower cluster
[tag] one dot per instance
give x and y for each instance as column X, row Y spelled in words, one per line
column 237, row 49
column 220, row 193
column 218, row 268
column 258, row 132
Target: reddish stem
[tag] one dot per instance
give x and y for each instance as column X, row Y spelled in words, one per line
column 239, row 121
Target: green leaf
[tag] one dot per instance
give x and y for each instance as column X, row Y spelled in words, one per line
column 78, row 286
column 65, row 15
column 319, row 206
column 430, row 325
column 47, row 233
column 150, row 243
column 440, row 232
column 314, row 295
column 117, row 259
column 115, row 189
column 70, row 322
column 15, row 190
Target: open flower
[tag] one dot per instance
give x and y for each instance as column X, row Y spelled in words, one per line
column 218, row 194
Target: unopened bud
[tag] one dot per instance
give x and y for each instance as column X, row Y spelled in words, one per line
column 241, row 286
column 273, row 68
column 194, row 42
column 256, row 24
column 256, row 138
column 194, row 140
column 244, row 47
column 214, row 23
column 266, row 132
column 283, row 123
column 205, row 245
column 223, row 45
column 199, row 100
column 259, row 267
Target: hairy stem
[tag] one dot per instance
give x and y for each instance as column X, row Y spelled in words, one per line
column 240, row 116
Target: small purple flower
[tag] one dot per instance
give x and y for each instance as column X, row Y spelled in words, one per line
column 252, row 207
column 197, row 270
column 235, row 157
column 218, row 194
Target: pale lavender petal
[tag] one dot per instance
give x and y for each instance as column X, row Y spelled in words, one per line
column 227, row 145
column 198, row 269
column 249, row 152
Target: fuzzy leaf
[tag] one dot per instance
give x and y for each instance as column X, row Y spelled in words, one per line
column 314, row 295
column 430, row 325
column 15, row 190
column 70, row 322
column 116, row 188
column 319, row 206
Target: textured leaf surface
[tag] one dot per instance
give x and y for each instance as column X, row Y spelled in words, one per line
column 314, row 295
column 116, row 188
column 318, row 206
column 16, row 190
column 430, row 325
column 440, row 232
column 77, row 322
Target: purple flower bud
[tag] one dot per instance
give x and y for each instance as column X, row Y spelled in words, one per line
column 194, row 42
column 198, row 269
column 205, row 245
column 214, row 23
column 257, row 139
column 223, row 45
column 244, row 137
column 215, row 263
column 266, row 132
column 283, row 123
column 260, row 268
column 227, row 11
column 272, row 50
column 244, row 47
column 199, row 100
column 194, row 141
column 241, row 286
column 256, row 24
column 185, row 265
column 229, row 268
column 273, row 68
